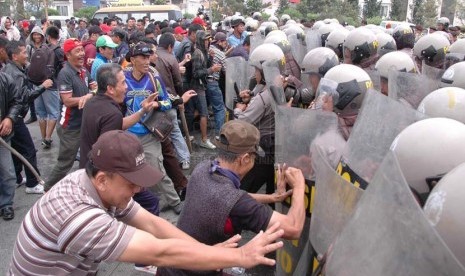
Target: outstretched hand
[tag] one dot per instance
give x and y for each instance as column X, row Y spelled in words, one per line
column 253, row 252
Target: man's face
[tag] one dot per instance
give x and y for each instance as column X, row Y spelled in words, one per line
column 76, row 57
column 240, row 28
column 131, row 23
column 178, row 37
column 118, row 191
column 107, row 52
column 193, row 36
column 157, row 30
column 21, row 57
column 3, row 55
column 82, row 25
column 118, row 92
column 72, row 26
column 154, row 56
column 116, row 39
column 94, row 37
column 141, row 63
column 140, row 26
column 314, row 81
column 7, row 24
column 113, row 24
column 150, row 35
column 37, row 37
column 223, row 44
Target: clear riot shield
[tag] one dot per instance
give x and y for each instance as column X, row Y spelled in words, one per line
column 375, row 78
column 409, row 88
column 432, row 72
column 378, row 123
column 256, row 40
column 296, row 130
column 238, row 75
column 389, row 234
column 312, row 39
column 298, row 47
column 274, row 80
column 335, row 201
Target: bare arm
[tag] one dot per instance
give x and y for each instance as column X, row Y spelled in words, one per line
column 293, row 222
column 147, row 105
column 147, row 249
column 272, row 198
column 70, row 101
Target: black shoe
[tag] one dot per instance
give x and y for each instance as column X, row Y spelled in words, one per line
column 182, row 194
column 30, row 120
column 47, row 143
column 8, row 213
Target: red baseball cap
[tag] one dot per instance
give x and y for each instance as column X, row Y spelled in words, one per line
column 70, row 44
column 179, row 31
column 199, row 21
column 105, row 28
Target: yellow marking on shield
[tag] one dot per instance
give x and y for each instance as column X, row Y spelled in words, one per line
column 452, row 100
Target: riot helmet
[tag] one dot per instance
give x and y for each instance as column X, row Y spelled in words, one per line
column 279, row 33
column 317, row 25
column 251, row 25
column 271, row 26
column 454, row 76
column 456, row 53
column 291, row 22
column 335, row 41
column 443, row 23
column 284, row 18
column 444, row 210
column 432, row 49
column 257, row 16
column 266, row 53
column 274, row 19
column 404, row 36
column 352, row 84
column 294, row 29
column 397, row 61
column 278, row 40
column 317, row 63
column 448, row 102
column 386, row 44
column 428, row 149
column 325, row 30
column 236, row 20
column 227, row 21
column 360, row 47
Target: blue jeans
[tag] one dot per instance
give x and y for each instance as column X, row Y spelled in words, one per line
column 22, row 142
column 7, row 178
column 179, row 143
column 215, row 98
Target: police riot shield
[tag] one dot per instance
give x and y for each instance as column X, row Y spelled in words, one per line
column 238, row 75
column 256, row 40
column 335, row 201
column 389, row 234
column 432, row 72
column 379, row 122
column 375, row 78
column 296, row 131
column 312, row 39
column 274, row 80
column 409, row 88
column 298, row 47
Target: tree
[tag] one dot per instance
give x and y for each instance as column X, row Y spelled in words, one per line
column 293, row 13
column 427, row 13
column 397, row 10
column 86, row 12
column 252, row 6
column 283, row 4
column 372, row 8
column 417, row 7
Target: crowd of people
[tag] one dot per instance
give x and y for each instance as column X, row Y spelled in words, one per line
column 116, row 92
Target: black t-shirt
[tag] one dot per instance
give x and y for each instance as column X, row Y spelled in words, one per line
column 101, row 114
column 248, row 214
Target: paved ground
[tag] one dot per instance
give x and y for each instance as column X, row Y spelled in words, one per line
column 23, row 201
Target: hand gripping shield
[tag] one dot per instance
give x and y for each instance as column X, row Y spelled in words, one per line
column 238, row 75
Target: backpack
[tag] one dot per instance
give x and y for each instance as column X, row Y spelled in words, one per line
column 42, row 64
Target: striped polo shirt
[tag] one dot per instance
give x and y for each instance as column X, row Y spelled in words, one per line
column 69, row 231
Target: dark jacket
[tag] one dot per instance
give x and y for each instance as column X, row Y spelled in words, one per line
column 121, row 50
column 168, row 68
column 10, row 105
column 200, row 63
column 26, row 91
column 90, row 52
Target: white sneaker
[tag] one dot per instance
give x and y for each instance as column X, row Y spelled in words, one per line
column 185, row 165
column 148, row 269
column 207, row 144
column 191, row 138
column 22, row 182
column 37, row 189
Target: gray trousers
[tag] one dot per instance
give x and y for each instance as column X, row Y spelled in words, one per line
column 69, row 146
column 164, row 189
column 7, row 178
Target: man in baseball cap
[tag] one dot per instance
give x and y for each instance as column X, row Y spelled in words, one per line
column 90, row 217
column 216, row 208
